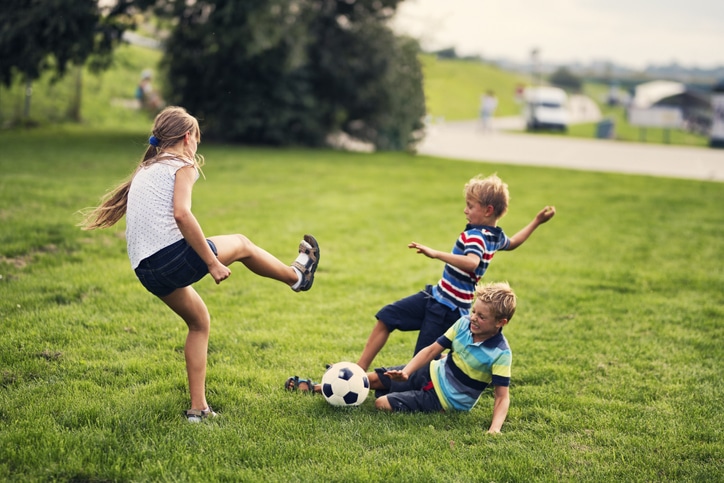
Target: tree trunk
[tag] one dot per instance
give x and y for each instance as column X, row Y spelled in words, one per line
column 28, row 97
column 75, row 101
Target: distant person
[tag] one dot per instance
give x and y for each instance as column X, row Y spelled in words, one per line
column 146, row 95
column 168, row 249
column 479, row 356
column 435, row 308
column 488, row 104
column 519, row 93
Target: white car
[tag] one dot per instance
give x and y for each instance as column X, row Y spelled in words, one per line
column 546, row 108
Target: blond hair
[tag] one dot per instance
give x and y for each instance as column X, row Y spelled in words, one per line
column 169, row 128
column 489, row 191
column 499, row 297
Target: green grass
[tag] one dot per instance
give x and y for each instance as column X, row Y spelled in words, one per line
column 453, row 88
column 617, row 368
column 617, row 339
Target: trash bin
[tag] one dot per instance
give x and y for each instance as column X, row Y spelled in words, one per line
column 716, row 137
column 604, row 129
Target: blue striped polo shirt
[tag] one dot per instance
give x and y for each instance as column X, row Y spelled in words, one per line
column 456, row 288
column 462, row 376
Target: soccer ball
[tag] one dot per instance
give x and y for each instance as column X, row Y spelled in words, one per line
column 345, row 384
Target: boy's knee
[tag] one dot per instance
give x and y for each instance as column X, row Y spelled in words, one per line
column 374, row 380
column 382, row 404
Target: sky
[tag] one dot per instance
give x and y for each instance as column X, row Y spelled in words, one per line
column 632, row 33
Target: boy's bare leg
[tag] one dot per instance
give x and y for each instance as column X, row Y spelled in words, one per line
column 375, row 343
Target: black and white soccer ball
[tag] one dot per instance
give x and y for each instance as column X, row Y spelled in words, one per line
column 345, row 384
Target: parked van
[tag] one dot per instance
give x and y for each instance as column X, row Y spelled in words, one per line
column 546, row 108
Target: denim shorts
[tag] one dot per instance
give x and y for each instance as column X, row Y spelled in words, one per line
column 417, row 394
column 419, row 312
column 176, row 266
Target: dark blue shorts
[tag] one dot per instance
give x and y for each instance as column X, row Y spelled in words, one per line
column 419, row 312
column 175, row 266
column 417, row 394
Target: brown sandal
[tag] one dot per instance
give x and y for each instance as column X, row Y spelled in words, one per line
column 311, row 248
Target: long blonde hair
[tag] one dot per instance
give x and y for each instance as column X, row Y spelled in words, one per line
column 169, row 128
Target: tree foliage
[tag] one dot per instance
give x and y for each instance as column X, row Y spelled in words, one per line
column 257, row 71
column 565, row 79
column 280, row 72
column 41, row 35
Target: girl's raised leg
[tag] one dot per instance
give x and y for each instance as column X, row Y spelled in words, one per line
column 238, row 248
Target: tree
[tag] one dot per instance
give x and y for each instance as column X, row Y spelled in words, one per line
column 565, row 79
column 49, row 35
column 40, row 35
column 280, row 72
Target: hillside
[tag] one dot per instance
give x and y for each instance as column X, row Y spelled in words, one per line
column 453, row 87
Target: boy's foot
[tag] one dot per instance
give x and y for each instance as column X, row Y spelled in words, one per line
column 198, row 415
column 306, row 263
column 301, row 385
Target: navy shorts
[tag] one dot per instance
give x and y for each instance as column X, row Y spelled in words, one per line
column 417, row 394
column 176, row 266
column 419, row 312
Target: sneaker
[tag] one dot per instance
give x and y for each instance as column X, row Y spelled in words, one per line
column 198, row 415
column 310, row 248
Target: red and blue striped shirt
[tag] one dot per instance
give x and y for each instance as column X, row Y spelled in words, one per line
column 456, row 288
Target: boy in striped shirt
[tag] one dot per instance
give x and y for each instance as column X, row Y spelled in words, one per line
column 433, row 310
column 479, row 356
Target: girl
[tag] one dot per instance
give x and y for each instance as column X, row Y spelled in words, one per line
column 168, row 249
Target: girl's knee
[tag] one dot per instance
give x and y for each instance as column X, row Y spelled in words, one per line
column 242, row 240
column 244, row 246
column 199, row 323
column 382, row 404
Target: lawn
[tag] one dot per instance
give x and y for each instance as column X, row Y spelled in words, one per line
column 616, row 341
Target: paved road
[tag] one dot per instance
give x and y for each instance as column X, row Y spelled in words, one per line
column 465, row 140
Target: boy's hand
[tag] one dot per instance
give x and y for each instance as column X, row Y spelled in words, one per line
column 397, row 375
column 427, row 251
column 545, row 214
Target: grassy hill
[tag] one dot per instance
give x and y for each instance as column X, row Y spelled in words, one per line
column 453, row 88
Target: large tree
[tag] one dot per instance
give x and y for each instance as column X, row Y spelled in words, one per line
column 41, row 35
column 291, row 72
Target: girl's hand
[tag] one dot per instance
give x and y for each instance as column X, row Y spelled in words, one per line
column 219, row 271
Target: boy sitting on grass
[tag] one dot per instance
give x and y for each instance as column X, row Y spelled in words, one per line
column 479, row 356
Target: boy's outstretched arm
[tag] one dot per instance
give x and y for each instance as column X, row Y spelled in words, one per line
column 500, row 408
column 543, row 215
column 421, row 358
column 466, row 263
